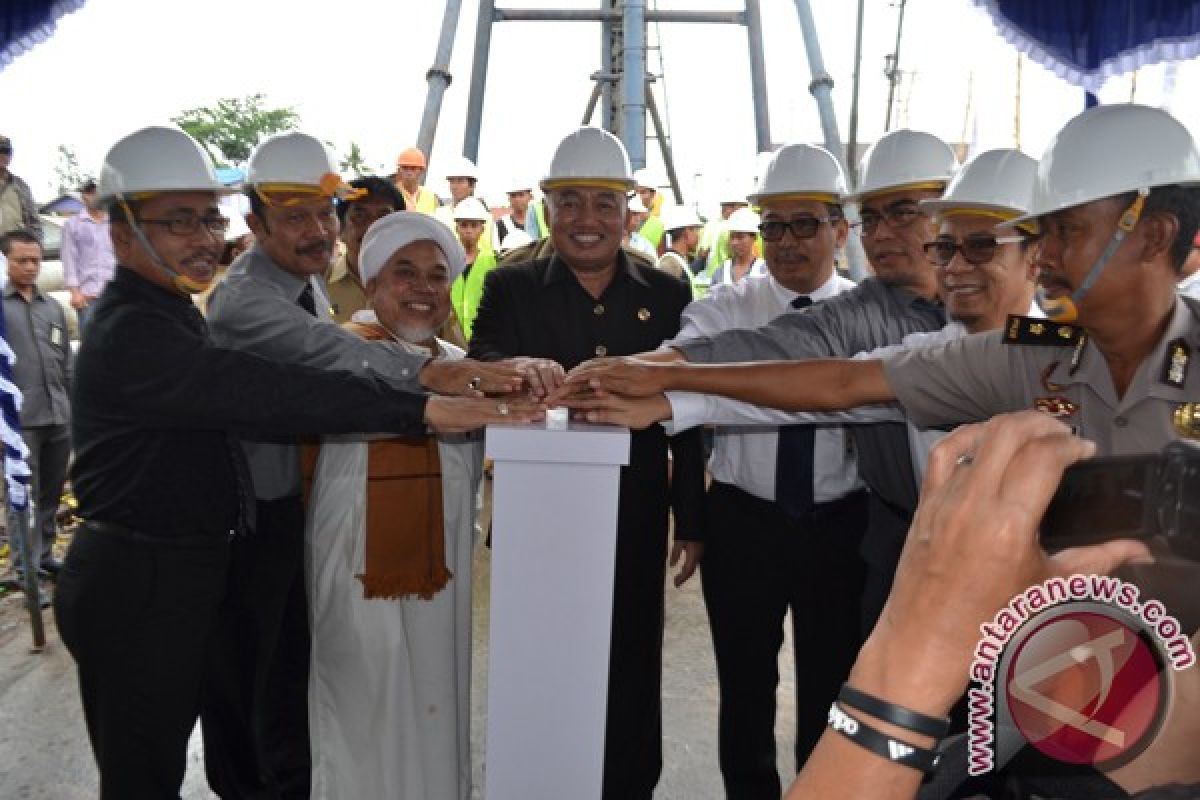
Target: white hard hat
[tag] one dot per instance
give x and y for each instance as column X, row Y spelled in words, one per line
column 462, row 167
column 804, row 170
column 472, row 208
column 514, row 239
column 637, row 206
column 589, row 157
column 295, row 159
column 157, row 159
column 905, row 159
column 237, row 228
column 997, row 182
column 676, row 217
column 1111, row 150
column 647, row 178
column 518, row 185
column 743, row 221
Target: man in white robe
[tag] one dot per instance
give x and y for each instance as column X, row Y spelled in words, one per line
column 389, row 693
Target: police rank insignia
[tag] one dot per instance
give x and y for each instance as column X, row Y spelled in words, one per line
column 643, row 314
column 1175, row 365
column 1055, row 406
column 1033, row 330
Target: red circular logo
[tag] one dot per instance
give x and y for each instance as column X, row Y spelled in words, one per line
column 1086, row 688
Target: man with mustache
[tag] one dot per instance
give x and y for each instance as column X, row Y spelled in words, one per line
column 273, row 303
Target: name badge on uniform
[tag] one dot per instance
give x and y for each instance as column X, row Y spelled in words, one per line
column 56, row 336
column 1175, row 365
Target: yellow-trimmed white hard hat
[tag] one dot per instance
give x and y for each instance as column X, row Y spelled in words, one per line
column 589, row 156
column 905, row 159
column 472, row 208
column 156, row 159
column 675, row 217
column 996, row 183
column 803, row 171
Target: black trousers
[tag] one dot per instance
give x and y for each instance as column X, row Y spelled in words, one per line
column 256, row 708
column 138, row 617
column 633, row 732
column 759, row 563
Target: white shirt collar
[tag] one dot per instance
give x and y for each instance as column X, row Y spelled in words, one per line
column 823, row 292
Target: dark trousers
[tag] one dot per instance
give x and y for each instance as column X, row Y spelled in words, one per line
column 759, row 563
column 138, row 618
column 633, row 733
column 887, row 528
column 49, row 450
column 256, row 710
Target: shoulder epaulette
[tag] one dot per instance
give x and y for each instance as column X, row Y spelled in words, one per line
column 1037, row 331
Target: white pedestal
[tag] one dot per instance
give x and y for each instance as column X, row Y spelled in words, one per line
column 554, row 511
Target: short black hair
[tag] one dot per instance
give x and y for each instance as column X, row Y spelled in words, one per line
column 88, row 187
column 12, row 237
column 1181, row 203
column 376, row 187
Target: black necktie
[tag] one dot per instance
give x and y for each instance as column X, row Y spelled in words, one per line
column 794, row 459
column 306, row 300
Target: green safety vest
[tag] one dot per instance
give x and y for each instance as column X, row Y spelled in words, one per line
column 467, row 290
column 539, row 214
column 652, row 229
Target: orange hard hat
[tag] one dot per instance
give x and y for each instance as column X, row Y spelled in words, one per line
column 411, row 157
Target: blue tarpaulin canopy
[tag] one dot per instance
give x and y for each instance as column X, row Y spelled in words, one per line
column 1086, row 42
column 25, row 24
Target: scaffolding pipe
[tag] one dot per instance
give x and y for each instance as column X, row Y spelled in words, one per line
column 668, row 159
column 633, row 82
column 592, row 101
column 893, row 72
column 607, row 65
column 483, row 46
column 615, row 15
column 439, row 78
column 758, row 76
column 852, row 142
column 821, row 88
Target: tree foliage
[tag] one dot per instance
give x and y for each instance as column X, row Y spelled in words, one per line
column 233, row 127
column 70, row 176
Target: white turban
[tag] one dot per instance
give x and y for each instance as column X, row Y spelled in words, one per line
column 400, row 228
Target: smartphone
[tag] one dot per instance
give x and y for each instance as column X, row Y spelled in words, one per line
column 1153, row 496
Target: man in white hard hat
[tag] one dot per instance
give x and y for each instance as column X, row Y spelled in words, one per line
column 714, row 242
column 470, row 220
column 786, row 510
column 634, row 222
column 520, row 195
column 683, row 233
column 273, row 303
column 742, row 228
column 162, row 484
column 461, row 178
column 591, row 299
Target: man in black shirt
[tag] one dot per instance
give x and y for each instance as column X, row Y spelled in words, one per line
column 162, row 485
column 587, row 300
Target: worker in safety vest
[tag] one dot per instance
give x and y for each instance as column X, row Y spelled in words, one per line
column 410, row 170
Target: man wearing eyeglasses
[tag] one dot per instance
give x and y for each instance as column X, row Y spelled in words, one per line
column 17, row 209
column 273, row 303
column 346, row 293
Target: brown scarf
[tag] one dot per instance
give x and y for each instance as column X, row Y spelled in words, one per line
column 405, row 544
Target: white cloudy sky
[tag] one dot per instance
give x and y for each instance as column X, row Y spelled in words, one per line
column 355, row 70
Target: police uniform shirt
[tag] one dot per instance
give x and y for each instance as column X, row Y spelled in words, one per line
column 745, row 456
column 1037, row 364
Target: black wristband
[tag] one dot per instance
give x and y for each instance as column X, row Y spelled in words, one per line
column 890, row 712
column 881, row 744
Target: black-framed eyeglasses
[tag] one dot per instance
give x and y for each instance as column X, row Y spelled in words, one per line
column 804, row 227
column 977, row 249
column 187, row 226
column 897, row 215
